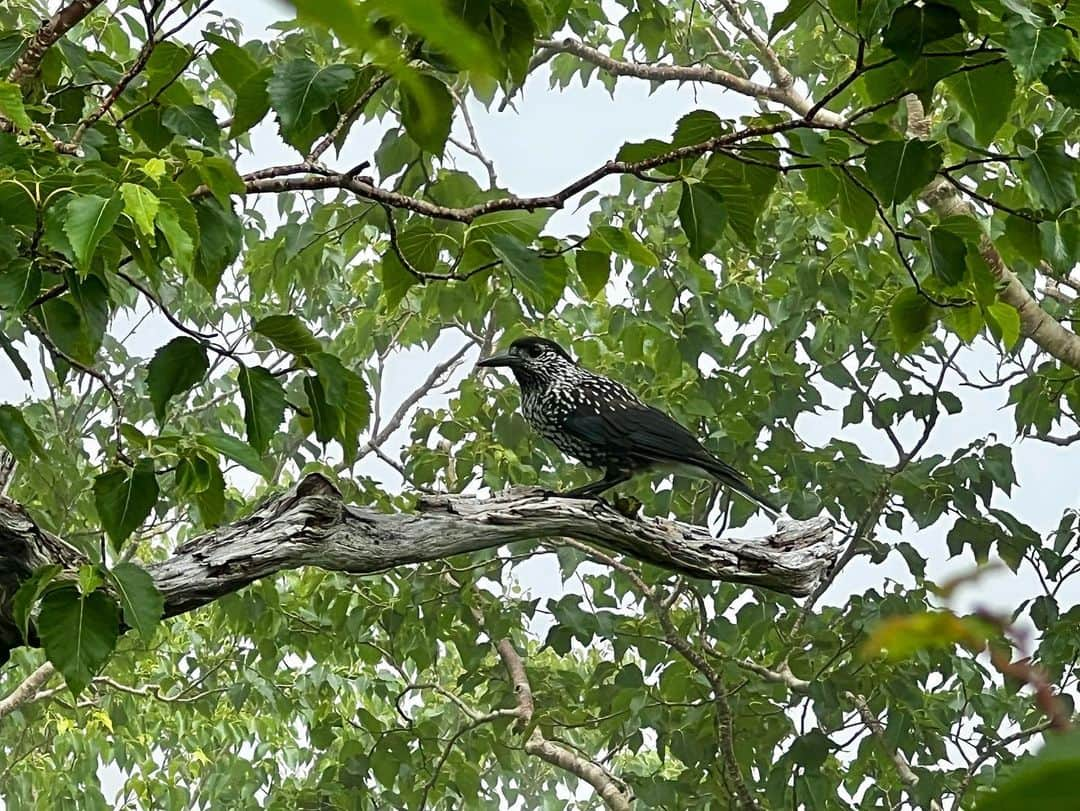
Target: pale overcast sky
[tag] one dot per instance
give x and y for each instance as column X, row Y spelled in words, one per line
column 553, row 138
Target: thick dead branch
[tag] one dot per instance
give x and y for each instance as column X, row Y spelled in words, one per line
column 310, row 525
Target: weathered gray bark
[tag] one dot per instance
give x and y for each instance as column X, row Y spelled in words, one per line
column 310, row 525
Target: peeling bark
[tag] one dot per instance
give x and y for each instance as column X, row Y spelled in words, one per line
column 310, row 525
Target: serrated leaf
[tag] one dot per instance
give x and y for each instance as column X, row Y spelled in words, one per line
column 910, row 316
column 124, row 498
column 192, row 121
column 541, row 287
column 30, row 591
column 1063, row 82
column 1007, row 319
column 233, row 64
column 702, row 215
column 913, row 27
column 898, row 169
column 177, row 236
column 20, row 283
column 211, row 499
column 788, row 15
column 11, row 106
column 142, row 603
column 986, row 95
column 745, row 190
column 427, row 110
column 252, row 102
column 594, row 268
column 328, row 421
column 16, row 435
column 89, row 218
column 289, row 333
column 264, row 405
column 1032, row 49
column 141, row 205
column 1050, row 172
column 396, row 279
column 174, row 369
column 78, row 633
column 236, row 449
column 947, row 255
column 299, row 90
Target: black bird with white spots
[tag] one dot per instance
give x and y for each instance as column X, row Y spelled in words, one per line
column 604, row 425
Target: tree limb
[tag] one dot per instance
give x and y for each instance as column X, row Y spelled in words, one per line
column 47, row 35
column 310, row 525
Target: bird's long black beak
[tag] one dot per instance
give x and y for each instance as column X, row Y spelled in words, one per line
column 497, row 360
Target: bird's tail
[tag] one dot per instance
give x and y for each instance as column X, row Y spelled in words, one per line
column 728, row 476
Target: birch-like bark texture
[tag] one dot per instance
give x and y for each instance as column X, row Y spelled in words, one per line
column 310, row 525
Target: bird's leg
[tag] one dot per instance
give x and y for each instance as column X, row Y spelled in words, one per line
column 612, row 477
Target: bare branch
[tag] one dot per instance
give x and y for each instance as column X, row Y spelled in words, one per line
column 27, row 691
column 310, row 525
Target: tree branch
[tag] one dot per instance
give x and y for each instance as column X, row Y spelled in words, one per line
column 310, row 525
column 27, row 690
column 47, row 35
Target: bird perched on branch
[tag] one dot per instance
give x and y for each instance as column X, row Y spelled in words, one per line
column 604, row 425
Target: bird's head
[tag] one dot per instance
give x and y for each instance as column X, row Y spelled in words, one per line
column 533, row 360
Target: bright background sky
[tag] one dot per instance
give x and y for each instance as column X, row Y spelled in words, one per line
column 554, row 137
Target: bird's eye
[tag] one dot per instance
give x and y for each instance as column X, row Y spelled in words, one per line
column 535, row 351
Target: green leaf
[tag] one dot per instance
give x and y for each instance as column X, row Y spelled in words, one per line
column 427, row 110
column 1033, row 49
column 89, row 218
column 78, row 633
column 30, row 591
column 966, row 322
column 947, row 255
column 221, row 177
column 913, row 27
column 11, row 106
column 236, row 449
column 697, row 127
column 910, row 317
column 898, row 169
column 357, row 409
column 857, row 207
column 288, row 333
column 436, row 24
column 745, row 189
column 233, row 64
column 299, row 90
column 177, row 236
column 1063, row 82
column 252, row 102
column 1049, row 172
column 702, row 215
column 141, row 205
column 327, row 420
column 211, row 499
column 541, row 287
column 192, row 121
column 140, row 599
column 124, row 498
column 986, row 95
column 20, row 283
column 593, row 267
column 264, row 405
column 1007, row 320
column 175, row 368
column 788, row 15
column 16, row 435
column 396, row 279
column 220, row 240
column 1046, row 781
column 66, row 330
